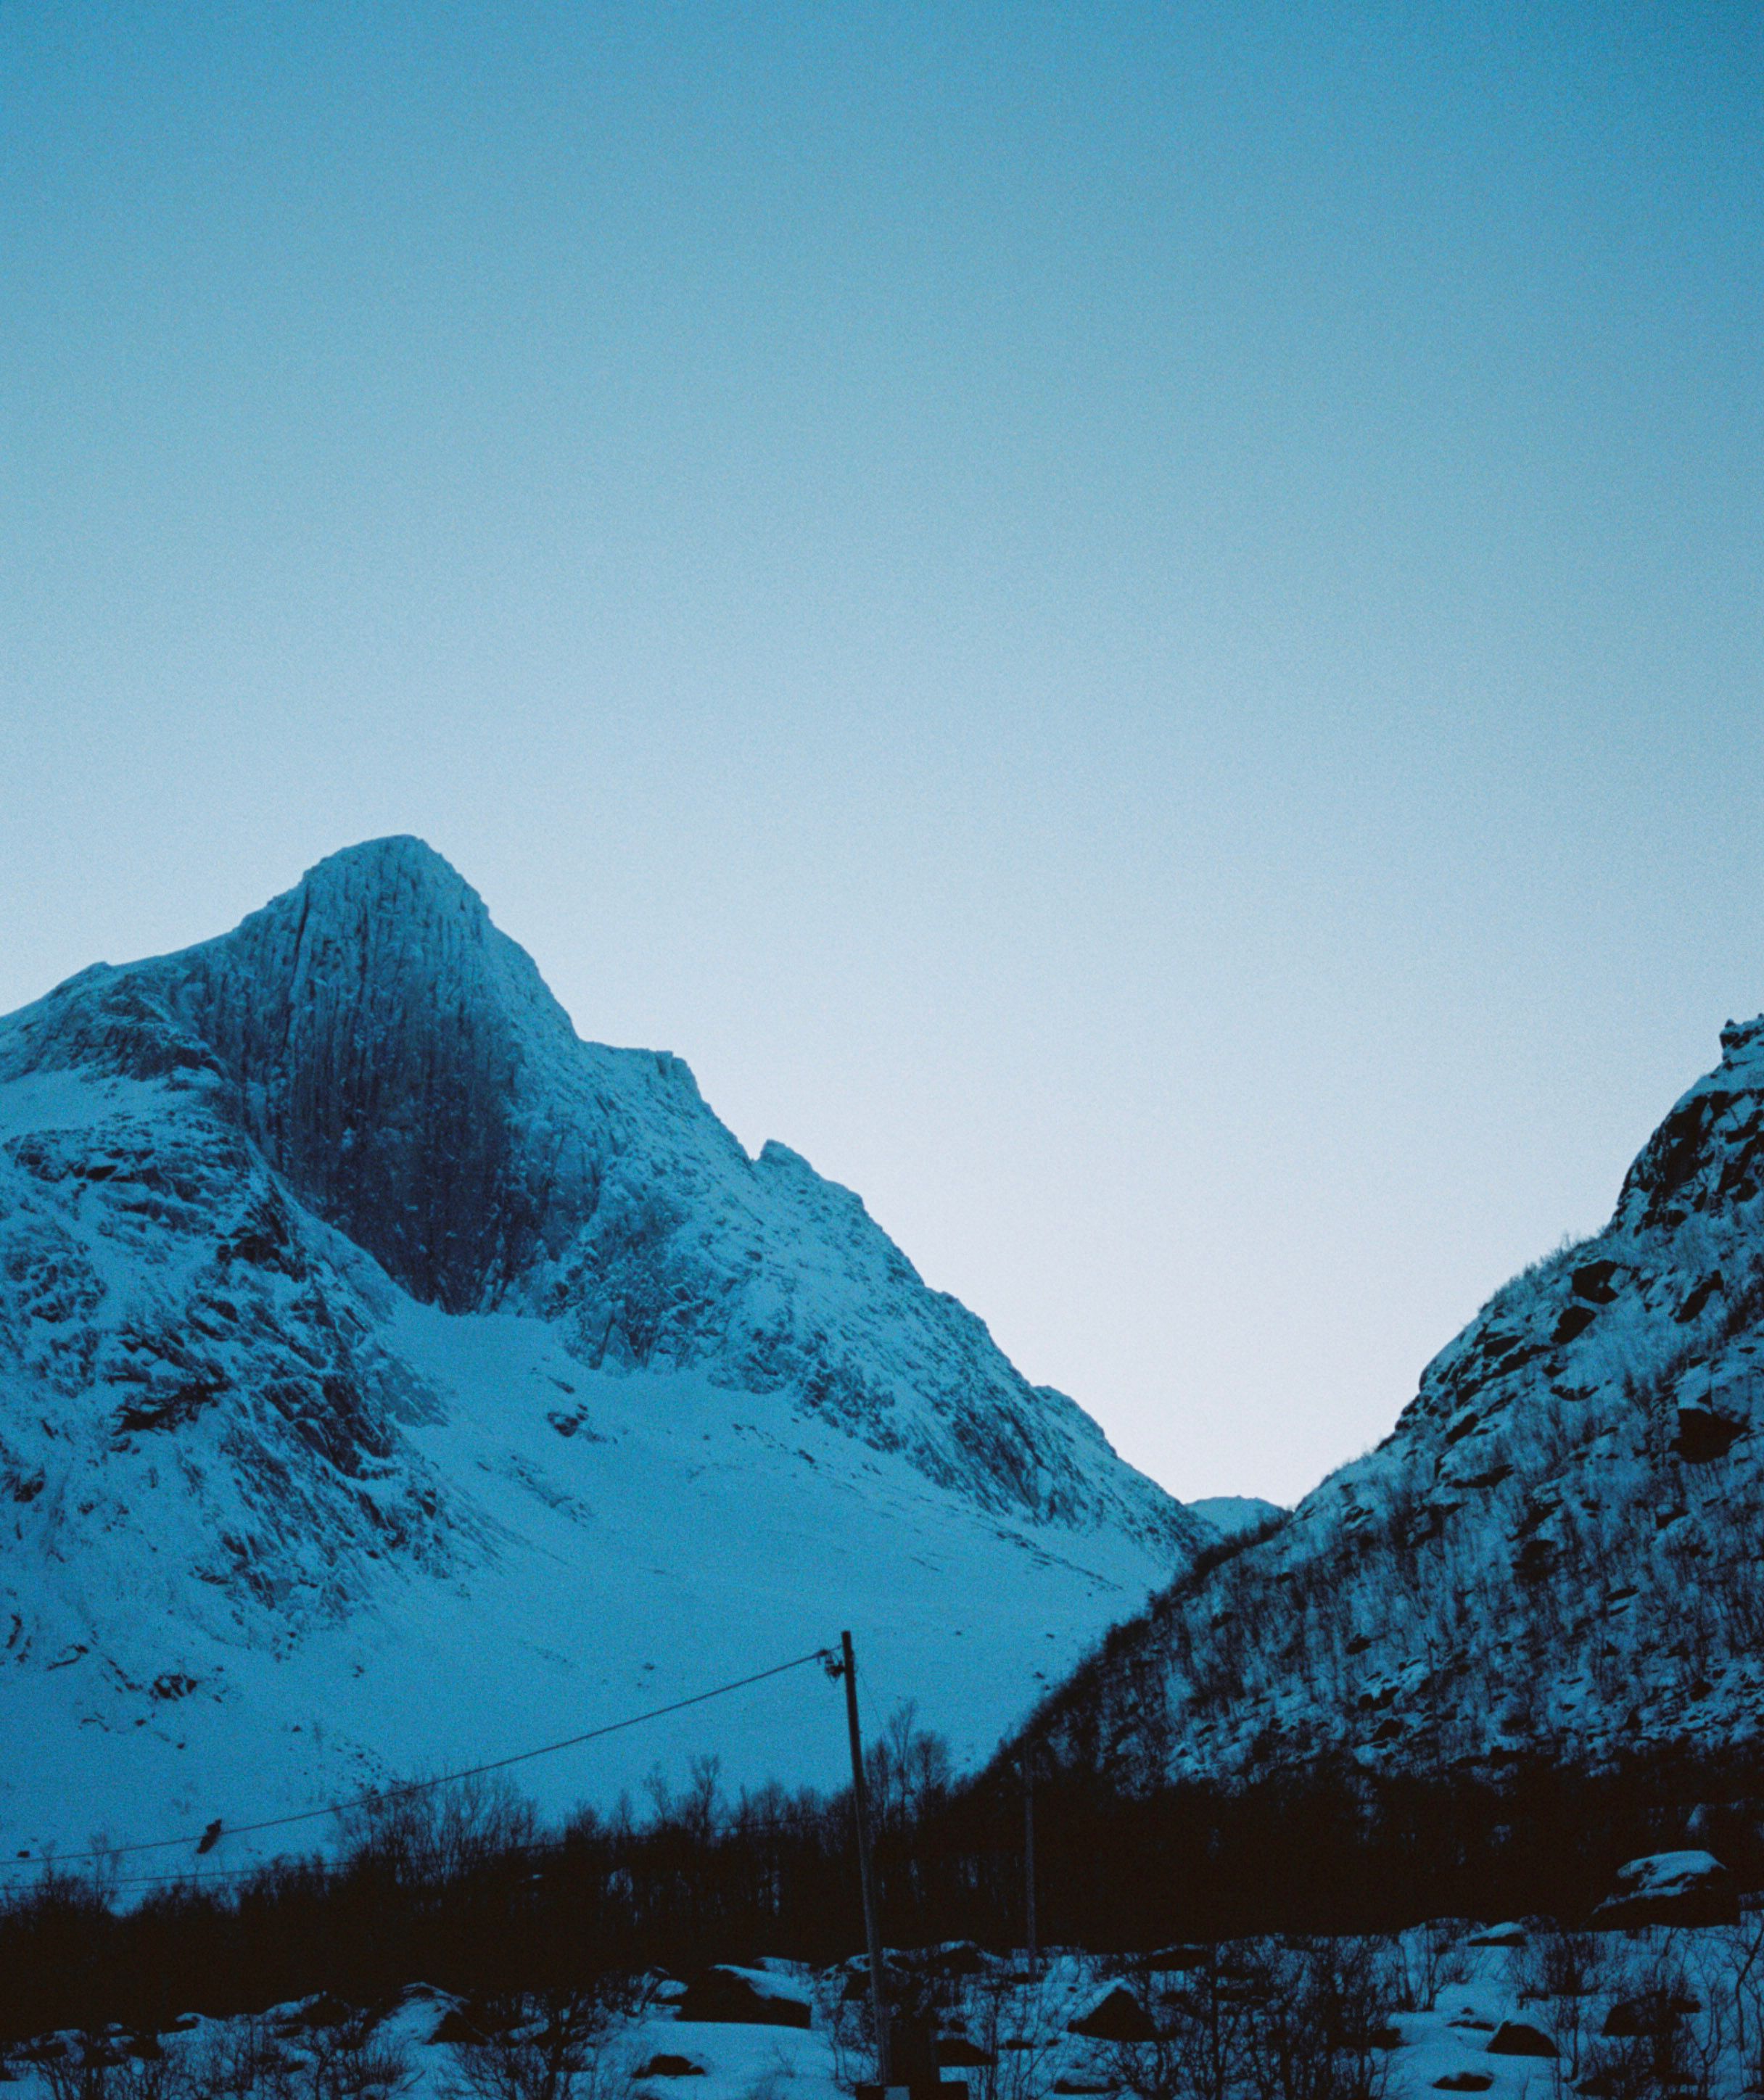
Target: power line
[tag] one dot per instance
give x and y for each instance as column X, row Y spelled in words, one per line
column 377, row 1795
column 555, row 1849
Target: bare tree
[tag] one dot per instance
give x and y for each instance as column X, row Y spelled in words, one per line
column 432, row 1834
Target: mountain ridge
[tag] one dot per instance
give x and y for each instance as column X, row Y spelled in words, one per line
column 1553, row 1554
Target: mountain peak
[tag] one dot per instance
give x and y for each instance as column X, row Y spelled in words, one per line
column 399, row 869
column 1742, row 1039
column 399, row 1065
column 376, row 1026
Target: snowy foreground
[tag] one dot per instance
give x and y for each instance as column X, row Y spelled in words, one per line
column 1452, row 2007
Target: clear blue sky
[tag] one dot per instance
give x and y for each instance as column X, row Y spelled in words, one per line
column 1135, row 626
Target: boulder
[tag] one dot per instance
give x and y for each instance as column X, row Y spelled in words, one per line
column 949, row 1957
column 456, row 2026
column 752, row 1997
column 1733, row 1832
column 895, row 1978
column 1671, row 1888
column 1705, row 1434
column 325, row 2010
column 1117, row 2016
column 1520, row 2038
column 1655, row 2013
column 1464, row 2081
column 670, row 2066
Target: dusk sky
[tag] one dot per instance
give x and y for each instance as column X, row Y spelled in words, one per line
column 1136, row 627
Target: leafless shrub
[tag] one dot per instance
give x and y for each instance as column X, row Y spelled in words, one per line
column 1205, row 2046
column 163, row 2073
column 561, row 2046
column 1555, row 1963
column 1021, row 2025
column 240, row 2060
column 1667, row 2049
column 773, row 2080
column 84, row 2070
column 1327, row 2021
column 1738, row 1972
column 351, row 2060
column 1308, row 2020
column 1433, row 1956
column 1558, row 1971
column 847, row 2026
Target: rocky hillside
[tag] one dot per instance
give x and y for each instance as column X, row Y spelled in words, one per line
column 388, row 1375
column 1556, row 1549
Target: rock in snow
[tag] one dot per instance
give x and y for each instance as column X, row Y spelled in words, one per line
column 390, row 1379
column 1671, row 1888
column 1520, row 2038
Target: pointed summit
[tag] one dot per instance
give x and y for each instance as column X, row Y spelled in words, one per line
column 377, row 1026
column 401, row 876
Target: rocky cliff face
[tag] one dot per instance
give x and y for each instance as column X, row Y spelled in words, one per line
column 346, row 1296
column 1555, row 1550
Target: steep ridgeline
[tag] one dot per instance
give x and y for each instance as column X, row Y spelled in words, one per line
column 1556, row 1550
column 387, row 1375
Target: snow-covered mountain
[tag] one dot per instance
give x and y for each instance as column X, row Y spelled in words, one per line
column 1231, row 1516
column 1556, row 1550
column 390, row 1379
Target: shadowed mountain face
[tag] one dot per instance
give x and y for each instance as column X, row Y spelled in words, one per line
column 334, row 1265
column 1555, row 1551
column 386, row 1048
column 375, row 1026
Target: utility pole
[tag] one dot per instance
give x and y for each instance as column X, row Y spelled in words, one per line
column 1028, row 1855
column 860, row 1810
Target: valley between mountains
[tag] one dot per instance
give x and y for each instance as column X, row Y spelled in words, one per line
column 391, row 1379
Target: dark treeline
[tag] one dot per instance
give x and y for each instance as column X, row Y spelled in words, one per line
column 459, row 1887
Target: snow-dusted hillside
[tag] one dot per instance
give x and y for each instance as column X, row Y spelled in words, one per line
column 389, row 1378
column 1557, row 1547
column 1232, row 1515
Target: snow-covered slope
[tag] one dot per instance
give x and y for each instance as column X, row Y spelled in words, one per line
column 1231, row 1514
column 389, row 1378
column 1556, row 1550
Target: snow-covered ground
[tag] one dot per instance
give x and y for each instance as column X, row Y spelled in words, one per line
column 1612, row 2015
column 675, row 1537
